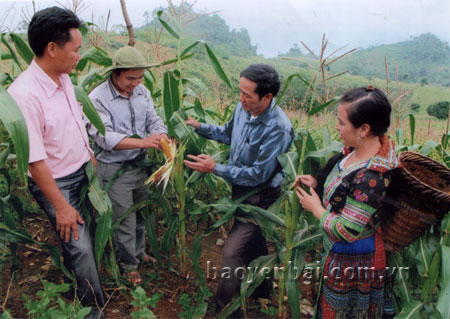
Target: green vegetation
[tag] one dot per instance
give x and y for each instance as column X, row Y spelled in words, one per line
column 193, row 79
column 209, row 28
column 439, row 110
column 424, row 59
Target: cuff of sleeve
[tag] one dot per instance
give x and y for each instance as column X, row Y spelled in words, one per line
column 219, row 170
column 323, row 218
column 111, row 139
column 203, row 128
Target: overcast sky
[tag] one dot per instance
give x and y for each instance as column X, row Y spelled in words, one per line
column 275, row 25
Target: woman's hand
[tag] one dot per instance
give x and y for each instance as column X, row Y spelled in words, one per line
column 306, row 180
column 311, row 202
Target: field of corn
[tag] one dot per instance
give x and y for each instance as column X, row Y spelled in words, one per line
column 187, row 212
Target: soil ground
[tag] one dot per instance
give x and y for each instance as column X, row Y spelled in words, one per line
column 35, row 263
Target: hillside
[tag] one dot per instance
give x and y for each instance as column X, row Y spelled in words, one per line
column 424, row 59
column 210, row 28
column 421, row 57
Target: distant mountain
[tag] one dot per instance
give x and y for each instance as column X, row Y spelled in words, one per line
column 424, row 59
column 212, row 29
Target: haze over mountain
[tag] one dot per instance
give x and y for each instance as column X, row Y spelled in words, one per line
column 424, row 59
column 274, row 26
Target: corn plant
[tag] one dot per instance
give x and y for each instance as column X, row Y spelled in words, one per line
column 141, row 302
column 174, row 101
column 51, row 305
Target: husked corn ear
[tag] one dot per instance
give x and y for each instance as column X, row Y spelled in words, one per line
column 163, row 173
column 166, row 148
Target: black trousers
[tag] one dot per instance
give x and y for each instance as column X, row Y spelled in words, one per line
column 78, row 254
column 244, row 244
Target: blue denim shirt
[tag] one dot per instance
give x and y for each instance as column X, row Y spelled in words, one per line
column 255, row 145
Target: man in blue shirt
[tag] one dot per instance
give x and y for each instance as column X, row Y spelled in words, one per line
column 258, row 132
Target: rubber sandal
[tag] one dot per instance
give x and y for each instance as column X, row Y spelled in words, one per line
column 133, row 277
column 148, row 259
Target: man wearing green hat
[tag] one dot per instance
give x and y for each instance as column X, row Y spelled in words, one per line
column 127, row 110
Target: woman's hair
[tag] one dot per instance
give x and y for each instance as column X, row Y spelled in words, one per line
column 368, row 106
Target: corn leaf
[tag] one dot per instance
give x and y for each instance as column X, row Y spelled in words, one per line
column 167, row 26
column 432, row 281
column 289, row 162
column 198, row 108
column 257, row 212
column 324, row 153
column 174, row 60
column 4, row 154
column 5, row 56
column 101, row 202
column 412, row 128
column 89, row 109
column 152, row 234
column 103, row 232
column 288, row 83
column 293, row 292
column 92, row 79
column 216, row 66
column 171, row 98
column 411, row 311
column 14, row 123
column 445, row 141
column 11, row 51
column 168, row 238
column 251, row 281
column 321, row 107
column 401, row 278
column 305, row 242
column 444, row 295
column 95, row 55
column 189, row 48
column 199, row 84
column 22, row 48
column 399, row 136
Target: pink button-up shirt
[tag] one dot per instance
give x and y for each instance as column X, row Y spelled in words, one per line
column 54, row 120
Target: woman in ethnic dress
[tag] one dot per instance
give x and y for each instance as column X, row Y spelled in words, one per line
column 345, row 196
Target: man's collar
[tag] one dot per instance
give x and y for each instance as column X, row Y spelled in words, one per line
column 44, row 79
column 267, row 115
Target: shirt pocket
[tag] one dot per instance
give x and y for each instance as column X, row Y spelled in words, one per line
column 249, row 154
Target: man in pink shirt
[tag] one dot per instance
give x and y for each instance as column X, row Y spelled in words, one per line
column 59, row 146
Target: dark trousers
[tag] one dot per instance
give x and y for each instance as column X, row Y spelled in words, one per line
column 244, row 244
column 78, row 254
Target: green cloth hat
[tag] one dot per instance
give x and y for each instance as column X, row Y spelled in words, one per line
column 128, row 58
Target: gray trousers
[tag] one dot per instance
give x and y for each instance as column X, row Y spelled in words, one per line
column 125, row 191
column 78, row 254
column 245, row 243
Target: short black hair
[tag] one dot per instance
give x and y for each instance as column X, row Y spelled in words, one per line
column 265, row 76
column 368, row 106
column 51, row 25
column 118, row 71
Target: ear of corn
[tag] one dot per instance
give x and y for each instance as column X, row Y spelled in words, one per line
column 169, row 149
column 162, row 175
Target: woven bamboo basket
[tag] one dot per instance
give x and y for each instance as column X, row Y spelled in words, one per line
column 418, row 197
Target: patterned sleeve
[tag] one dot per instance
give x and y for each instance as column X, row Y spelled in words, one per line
column 366, row 192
